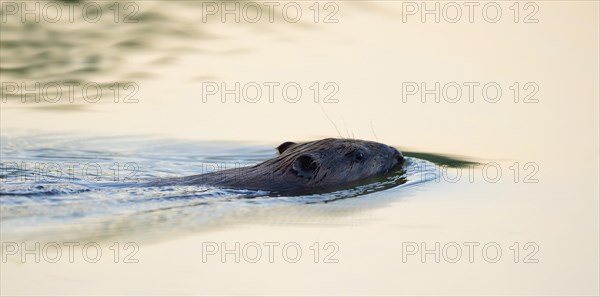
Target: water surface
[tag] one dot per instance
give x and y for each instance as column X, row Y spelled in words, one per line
column 537, row 180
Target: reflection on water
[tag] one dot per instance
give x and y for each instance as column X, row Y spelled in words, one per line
column 106, row 42
column 103, row 43
column 56, row 186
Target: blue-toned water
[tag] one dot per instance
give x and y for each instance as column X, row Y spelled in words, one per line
column 64, row 186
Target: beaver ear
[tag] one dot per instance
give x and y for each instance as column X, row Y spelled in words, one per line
column 284, row 146
column 306, row 166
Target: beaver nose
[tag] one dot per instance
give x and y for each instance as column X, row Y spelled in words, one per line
column 398, row 156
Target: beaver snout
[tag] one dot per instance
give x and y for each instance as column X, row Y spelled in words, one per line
column 397, row 155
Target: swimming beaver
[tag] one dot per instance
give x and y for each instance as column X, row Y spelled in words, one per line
column 304, row 168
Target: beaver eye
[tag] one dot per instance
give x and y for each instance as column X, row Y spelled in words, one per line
column 359, row 156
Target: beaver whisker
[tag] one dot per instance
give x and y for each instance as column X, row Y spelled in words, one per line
column 373, row 130
column 327, row 116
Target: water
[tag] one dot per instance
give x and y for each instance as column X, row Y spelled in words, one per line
column 535, row 184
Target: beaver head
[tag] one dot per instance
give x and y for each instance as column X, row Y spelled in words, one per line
column 336, row 162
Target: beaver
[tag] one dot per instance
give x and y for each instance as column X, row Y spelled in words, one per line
column 306, row 168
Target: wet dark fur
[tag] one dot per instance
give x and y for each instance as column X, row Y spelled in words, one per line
column 311, row 167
